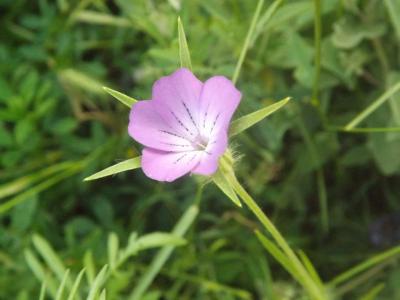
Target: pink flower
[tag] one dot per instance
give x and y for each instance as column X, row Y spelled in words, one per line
column 184, row 128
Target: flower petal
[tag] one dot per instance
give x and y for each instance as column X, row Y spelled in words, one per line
column 209, row 159
column 219, row 100
column 168, row 166
column 148, row 128
column 178, row 99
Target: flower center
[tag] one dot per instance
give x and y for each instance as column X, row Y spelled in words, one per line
column 200, row 142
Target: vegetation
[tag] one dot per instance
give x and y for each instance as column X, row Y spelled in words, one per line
column 324, row 168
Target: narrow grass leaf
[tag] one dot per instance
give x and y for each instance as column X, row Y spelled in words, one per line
column 393, row 9
column 89, row 266
column 222, row 183
column 277, row 254
column 373, row 293
column 181, row 227
column 6, row 206
column 371, row 262
column 264, row 19
column 61, row 288
column 75, row 286
column 247, row 41
column 103, row 295
column 49, row 255
column 42, row 291
column 129, row 164
column 23, row 182
column 184, row 54
column 113, row 246
column 39, row 271
column 158, row 239
column 81, row 80
column 310, row 268
column 124, row 99
column 93, row 17
column 97, row 283
column 253, row 118
column 373, row 106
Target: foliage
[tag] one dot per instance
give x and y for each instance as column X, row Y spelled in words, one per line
column 331, row 189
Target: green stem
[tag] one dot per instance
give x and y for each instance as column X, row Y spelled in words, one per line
column 317, row 46
column 247, row 41
column 372, row 107
column 308, row 283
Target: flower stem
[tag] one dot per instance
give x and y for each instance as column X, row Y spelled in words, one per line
column 312, row 288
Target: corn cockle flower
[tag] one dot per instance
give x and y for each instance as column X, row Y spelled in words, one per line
column 184, row 127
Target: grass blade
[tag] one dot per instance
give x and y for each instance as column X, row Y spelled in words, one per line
column 129, row 164
column 246, row 44
column 42, row 291
column 39, row 272
column 60, row 290
column 124, row 99
column 184, row 54
column 49, row 255
column 373, row 293
column 75, row 286
column 372, row 107
column 162, row 256
column 98, row 282
column 222, row 183
column 253, row 118
column 373, row 261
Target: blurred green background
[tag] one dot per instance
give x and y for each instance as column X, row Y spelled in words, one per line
column 58, row 126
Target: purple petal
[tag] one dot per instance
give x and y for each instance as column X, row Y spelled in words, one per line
column 209, row 159
column 219, row 100
column 168, row 166
column 148, row 128
column 178, row 100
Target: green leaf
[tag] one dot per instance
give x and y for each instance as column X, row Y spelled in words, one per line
column 97, row 283
column 158, row 239
column 276, row 253
column 60, row 290
column 222, row 183
column 373, row 293
column 42, row 291
column 184, row 53
column 129, row 164
column 249, row 120
column 93, row 17
column 373, row 106
column 49, row 255
column 367, row 264
column 348, row 34
column 124, row 99
column 80, row 80
column 39, row 271
column 75, row 286
column 103, row 295
column 113, row 246
column 90, row 267
column 393, row 9
column 310, row 268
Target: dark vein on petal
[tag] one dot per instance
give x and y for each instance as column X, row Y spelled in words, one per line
column 180, row 158
column 173, row 134
column 190, row 114
column 215, row 122
column 205, row 116
column 177, row 145
column 180, row 122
